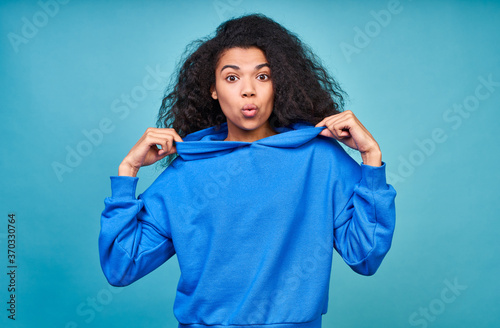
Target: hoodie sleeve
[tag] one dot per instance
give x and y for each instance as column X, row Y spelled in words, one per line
column 131, row 242
column 364, row 227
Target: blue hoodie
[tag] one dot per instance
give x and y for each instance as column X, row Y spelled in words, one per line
column 253, row 225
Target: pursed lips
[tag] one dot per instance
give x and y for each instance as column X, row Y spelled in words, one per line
column 249, row 110
column 249, row 107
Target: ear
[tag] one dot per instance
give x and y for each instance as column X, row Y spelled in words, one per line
column 214, row 92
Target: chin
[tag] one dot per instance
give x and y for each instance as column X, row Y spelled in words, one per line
column 249, row 126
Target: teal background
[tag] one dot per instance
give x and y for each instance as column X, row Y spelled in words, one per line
column 69, row 77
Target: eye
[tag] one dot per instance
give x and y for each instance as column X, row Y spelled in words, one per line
column 231, row 78
column 263, row 77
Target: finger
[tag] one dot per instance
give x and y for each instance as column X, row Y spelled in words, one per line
column 164, row 132
column 172, row 137
column 335, row 125
column 159, row 135
column 327, row 120
column 156, row 145
column 336, row 133
column 162, row 150
column 165, row 147
column 170, row 145
column 321, row 123
column 354, row 128
column 326, row 133
column 177, row 137
column 342, row 126
column 344, row 134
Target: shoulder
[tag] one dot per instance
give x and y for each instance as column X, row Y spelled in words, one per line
column 167, row 178
column 340, row 162
column 332, row 147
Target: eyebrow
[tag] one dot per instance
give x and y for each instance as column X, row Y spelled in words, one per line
column 238, row 68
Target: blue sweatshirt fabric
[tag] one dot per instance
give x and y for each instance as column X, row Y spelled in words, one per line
column 254, row 226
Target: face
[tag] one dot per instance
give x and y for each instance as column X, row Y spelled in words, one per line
column 245, row 93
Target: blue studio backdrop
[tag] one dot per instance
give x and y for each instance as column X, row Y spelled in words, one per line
column 82, row 80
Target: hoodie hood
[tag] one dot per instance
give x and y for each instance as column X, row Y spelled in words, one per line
column 210, row 142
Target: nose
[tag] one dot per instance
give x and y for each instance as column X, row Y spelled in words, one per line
column 248, row 89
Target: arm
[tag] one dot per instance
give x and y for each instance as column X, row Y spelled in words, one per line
column 131, row 242
column 364, row 228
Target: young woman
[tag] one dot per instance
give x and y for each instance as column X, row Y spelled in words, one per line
column 257, row 191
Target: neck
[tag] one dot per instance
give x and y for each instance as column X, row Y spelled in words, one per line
column 237, row 134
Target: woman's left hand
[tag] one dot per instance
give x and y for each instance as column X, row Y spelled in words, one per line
column 346, row 128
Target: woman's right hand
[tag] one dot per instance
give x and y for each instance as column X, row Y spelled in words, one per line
column 146, row 152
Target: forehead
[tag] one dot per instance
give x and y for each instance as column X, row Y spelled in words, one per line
column 242, row 57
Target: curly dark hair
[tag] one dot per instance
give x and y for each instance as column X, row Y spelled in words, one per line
column 303, row 89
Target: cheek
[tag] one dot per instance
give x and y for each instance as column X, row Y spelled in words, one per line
column 225, row 102
column 270, row 96
column 225, row 94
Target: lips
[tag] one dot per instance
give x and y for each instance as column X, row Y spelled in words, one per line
column 249, row 110
column 249, row 107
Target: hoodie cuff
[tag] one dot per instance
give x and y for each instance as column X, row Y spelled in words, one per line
column 373, row 177
column 123, row 187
